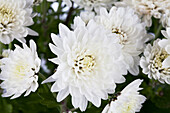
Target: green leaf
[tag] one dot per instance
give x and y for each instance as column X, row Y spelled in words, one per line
column 4, row 106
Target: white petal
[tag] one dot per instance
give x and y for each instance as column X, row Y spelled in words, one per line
column 55, row 60
column 96, row 101
column 55, row 49
column 62, row 94
column 83, row 104
column 31, row 32
column 63, row 31
column 49, row 79
column 106, row 109
column 166, row 63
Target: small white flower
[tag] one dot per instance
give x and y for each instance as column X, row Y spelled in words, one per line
column 156, row 60
column 89, row 64
column 94, row 4
column 18, row 71
column 15, row 16
column 147, row 8
column 127, row 31
column 129, row 100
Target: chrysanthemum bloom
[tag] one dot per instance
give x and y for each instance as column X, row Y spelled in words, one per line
column 19, row 71
column 94, row 4
column 125, row 29
column 89, row 64
column 128, row 101
column 15, row 16
column 156, row 59
column 147, row 8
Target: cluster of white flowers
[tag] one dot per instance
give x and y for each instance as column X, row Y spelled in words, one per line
column 89, row 5
column 156, row 59
column 19, row 68
column 104, row 44
column 147, row 8
column 93, row 57
column 94, row 4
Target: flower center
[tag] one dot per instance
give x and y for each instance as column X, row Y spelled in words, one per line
column 84, row 64
column 6, row 17
column 122, row 36
column 21, row 69
column 129, row 107
column 157, row 62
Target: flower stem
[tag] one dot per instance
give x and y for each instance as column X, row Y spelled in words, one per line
column 10, row 46
column 59, row 7
column 63, row 106
column 158, row 31
column 1, row 46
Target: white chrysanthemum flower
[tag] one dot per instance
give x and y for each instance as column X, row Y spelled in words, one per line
column 147, row 8
column 15, row 16
column 89, row 64
column 18, row 71
column 126, row 30
column 156, row 60
column 129, row 100
column 94, row 4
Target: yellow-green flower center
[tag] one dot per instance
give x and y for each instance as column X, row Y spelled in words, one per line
column 159, row 58
column 21, row 69
column 6, row 16
column 122, row 35
column 84, row 64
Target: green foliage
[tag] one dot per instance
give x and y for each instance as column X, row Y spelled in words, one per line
column 5, row 107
